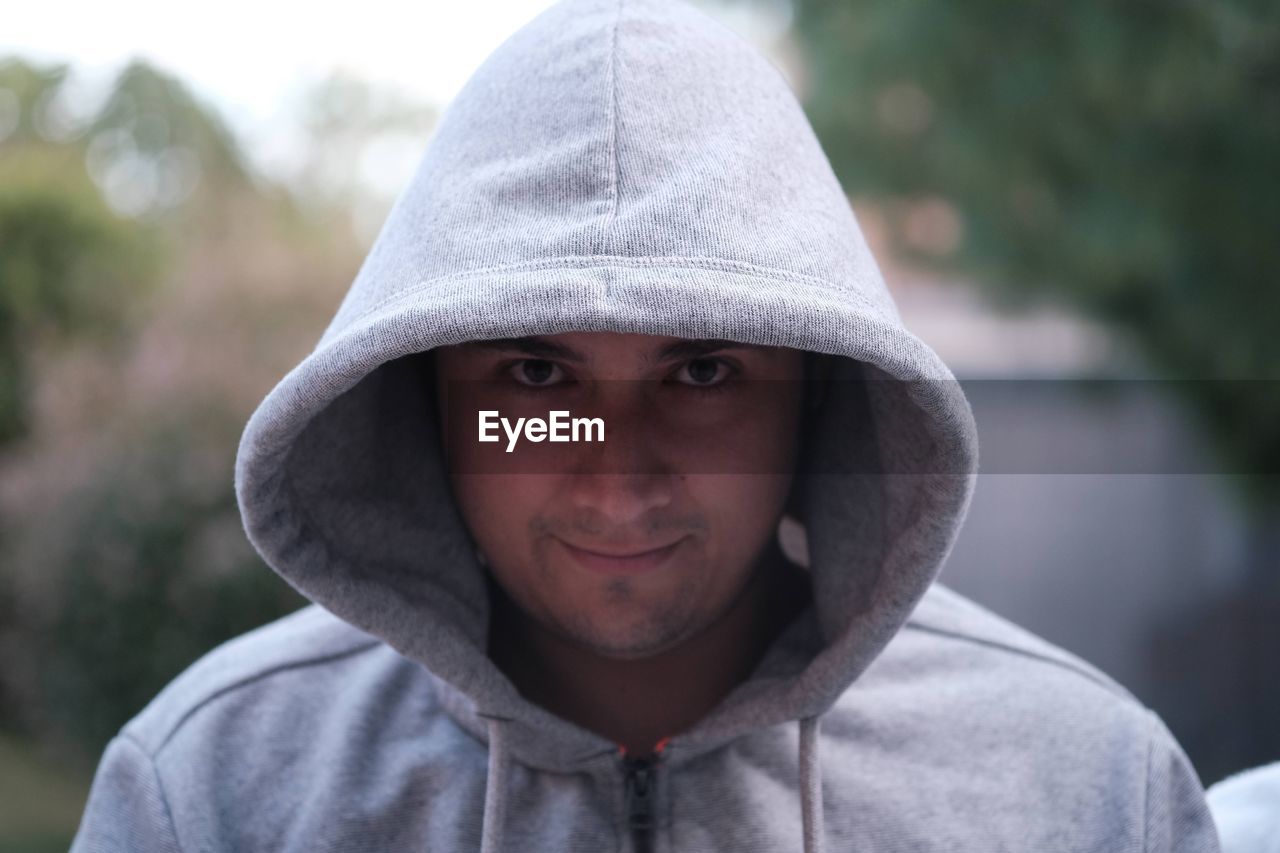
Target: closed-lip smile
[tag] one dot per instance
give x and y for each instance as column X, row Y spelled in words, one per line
column 621, row 563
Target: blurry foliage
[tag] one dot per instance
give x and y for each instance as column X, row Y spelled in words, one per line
column 152, row 289
column 161, row 125
column 39, row 806
column 1119, row 158
column 363, row 143
column 153, row 570
column 69, row 266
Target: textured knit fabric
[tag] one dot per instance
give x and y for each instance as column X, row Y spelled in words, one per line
column 630, row 167
column 1246, row 807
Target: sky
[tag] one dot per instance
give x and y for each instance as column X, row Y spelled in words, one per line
column 249, row 57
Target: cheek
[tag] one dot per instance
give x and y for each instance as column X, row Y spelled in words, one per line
column 743, row 511
column 499, row 509
column 777, row 428
column 753, row 429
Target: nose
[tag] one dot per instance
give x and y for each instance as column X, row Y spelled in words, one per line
column 620, row 500
column 625, row 477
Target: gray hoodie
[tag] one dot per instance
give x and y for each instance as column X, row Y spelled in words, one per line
column 629, row 166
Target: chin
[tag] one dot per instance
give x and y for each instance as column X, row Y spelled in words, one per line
column 611, row 638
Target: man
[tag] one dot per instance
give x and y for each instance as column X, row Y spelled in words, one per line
column 523, row 643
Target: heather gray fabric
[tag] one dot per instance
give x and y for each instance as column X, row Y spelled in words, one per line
column 1246, row 807
column 633, row 167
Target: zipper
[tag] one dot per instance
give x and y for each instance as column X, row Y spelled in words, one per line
column 641, row 774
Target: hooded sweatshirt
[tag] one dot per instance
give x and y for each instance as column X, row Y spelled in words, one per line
column 627, row 166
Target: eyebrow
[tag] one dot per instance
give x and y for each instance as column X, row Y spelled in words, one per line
column 532, row 347
column 695, row 348
column 536, row 347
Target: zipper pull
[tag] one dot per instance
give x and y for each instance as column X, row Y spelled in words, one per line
column 641, row 820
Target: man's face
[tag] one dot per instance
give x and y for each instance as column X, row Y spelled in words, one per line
column 631, row 546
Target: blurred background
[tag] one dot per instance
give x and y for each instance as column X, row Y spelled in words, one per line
column 1064, row 198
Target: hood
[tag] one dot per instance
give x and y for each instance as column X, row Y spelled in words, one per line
column 615, row 166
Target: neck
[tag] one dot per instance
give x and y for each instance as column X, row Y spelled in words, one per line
column 637, row 703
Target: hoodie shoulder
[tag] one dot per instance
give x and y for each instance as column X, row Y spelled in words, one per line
column 306, row 639
column 1025, row 746
column 956, row 620
column 306, row 730
column 958, row 668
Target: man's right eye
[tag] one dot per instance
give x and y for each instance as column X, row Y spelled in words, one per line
column 536, row 372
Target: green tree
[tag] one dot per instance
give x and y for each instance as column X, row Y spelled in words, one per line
column 154, row 570
column 135, row 221
column 1118, row 158
column 70, row 267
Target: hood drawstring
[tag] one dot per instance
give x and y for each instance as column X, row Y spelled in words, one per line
column 495, row 789
column 811, row 786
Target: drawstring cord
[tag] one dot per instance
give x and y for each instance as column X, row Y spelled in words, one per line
column 495, row 792
column 811, row 786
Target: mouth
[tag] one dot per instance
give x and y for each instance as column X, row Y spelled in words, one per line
column 629, row 563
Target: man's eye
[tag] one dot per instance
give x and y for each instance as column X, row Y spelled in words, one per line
column 703, row 372
column 537, row 372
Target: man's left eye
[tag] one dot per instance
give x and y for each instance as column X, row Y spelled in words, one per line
column 703, row 372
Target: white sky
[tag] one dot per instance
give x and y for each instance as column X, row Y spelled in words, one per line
column 248, row 56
